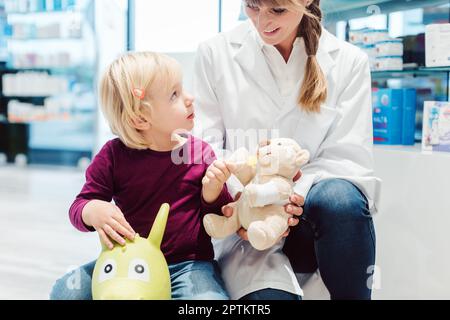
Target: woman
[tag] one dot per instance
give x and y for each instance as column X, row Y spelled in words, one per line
column 282, row 74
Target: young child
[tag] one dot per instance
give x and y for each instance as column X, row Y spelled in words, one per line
column 144, row 102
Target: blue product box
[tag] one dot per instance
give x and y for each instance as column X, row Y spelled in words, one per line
column 388, row 116
column 8, row 30
column 41, row 5
column 57, row 5
column 409, row 116
column 68, row 4
column 48, row 5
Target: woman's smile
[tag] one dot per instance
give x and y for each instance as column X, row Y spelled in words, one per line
column 270, row 32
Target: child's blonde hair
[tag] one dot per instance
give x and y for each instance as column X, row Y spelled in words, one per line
column 128, row 75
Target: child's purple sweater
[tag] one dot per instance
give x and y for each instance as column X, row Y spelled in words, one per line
column 140, row 181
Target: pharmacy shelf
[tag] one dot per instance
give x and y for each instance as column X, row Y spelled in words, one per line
column 82, row 72
column 63, row 118
column 417, row 148
column 442, row 73
column 417, row 71
column 338, row 10
column 52, row 139
column 85, row 70
column 50, row 39
column 30, row 97
column 60, row 11
column 47, row 12
column 413, row 150
column 334, row 6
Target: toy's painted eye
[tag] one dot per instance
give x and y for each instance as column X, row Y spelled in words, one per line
column 139, row 270
column 108, row 270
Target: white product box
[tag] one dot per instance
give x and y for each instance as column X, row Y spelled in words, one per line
column 357, row 36
column 372, row 36
column 371, row 51
column 392, row 47
column 437, row 48
column 436, row 126
column 390, row 63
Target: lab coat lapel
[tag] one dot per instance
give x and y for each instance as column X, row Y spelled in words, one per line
column 328, row 44
column 251, row 59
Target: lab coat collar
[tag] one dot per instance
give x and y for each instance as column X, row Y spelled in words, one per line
column 251, row 58
column 328, row 43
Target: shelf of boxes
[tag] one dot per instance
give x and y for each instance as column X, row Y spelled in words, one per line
column 49, row 79
column 339, row 10
column 392, row 114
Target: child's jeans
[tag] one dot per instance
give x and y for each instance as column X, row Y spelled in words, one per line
column 191, row 280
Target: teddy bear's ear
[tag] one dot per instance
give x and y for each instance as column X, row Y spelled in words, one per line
column 243, row 165
column 302, row 158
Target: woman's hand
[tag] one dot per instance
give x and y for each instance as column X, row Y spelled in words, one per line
column 107, row 219
column 295, row 208
column 216, row 176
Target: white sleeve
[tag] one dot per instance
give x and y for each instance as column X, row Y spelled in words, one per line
column 303, row 186
column 209, row 125
column 347, row 150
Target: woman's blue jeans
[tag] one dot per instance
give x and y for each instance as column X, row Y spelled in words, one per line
column 335, row 235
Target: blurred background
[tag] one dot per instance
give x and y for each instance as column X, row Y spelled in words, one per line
column 52, row 52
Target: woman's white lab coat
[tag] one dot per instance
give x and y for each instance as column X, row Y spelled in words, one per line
column 237, row 95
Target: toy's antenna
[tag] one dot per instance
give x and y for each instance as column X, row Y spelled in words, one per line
column 157, row 232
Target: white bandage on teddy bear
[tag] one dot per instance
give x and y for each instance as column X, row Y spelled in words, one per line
column 268, row 184
column 264, row 194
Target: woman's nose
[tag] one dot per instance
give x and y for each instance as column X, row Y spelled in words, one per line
column 262, row 17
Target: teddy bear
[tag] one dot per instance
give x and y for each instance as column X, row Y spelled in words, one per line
column 268, row 180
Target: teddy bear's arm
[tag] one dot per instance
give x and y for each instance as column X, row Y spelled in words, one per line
column 243, row 165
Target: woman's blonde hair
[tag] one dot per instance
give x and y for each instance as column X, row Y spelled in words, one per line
column 314, row 88
column 121, row 85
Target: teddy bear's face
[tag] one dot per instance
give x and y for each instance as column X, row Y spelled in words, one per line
column 281, row 157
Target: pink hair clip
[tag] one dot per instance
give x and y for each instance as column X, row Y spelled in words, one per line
column 139, row 93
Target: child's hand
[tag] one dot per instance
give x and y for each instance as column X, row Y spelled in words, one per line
column 108, row 221
column 216, row 176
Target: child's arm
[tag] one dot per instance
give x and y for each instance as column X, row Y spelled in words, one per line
column 215, row 193
column 92, row 209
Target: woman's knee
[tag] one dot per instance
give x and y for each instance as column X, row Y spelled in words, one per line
column 334, row 201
